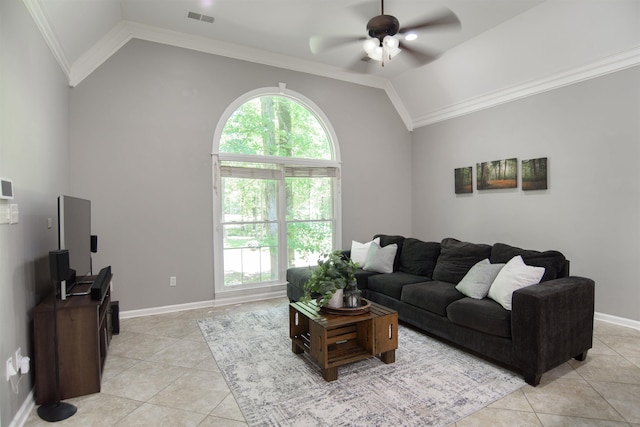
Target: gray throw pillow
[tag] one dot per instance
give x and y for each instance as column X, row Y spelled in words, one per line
column 456, row 259
column 476, row 283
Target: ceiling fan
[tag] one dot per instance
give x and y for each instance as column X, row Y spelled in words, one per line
column 386, row 38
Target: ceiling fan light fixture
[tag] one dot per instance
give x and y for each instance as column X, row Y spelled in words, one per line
column 370, row 45
column 381, row 51
column 392, row 44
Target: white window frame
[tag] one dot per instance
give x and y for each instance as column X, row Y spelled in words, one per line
column 217, row 157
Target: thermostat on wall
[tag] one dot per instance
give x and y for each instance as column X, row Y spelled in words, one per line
column 6, row 188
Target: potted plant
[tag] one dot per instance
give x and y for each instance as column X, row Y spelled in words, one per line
column 332, row 274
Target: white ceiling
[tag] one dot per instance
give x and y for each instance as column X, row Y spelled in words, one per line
column 526, row 40
column 282, row 27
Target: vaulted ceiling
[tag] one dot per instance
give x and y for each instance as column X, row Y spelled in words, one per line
column 82, row 34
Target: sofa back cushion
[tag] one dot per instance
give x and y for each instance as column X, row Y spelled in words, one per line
column 456, row 259
column 554, row 263
column 419, row 257
column 385, row 240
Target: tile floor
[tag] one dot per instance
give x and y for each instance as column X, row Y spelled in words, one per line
column 159, row 371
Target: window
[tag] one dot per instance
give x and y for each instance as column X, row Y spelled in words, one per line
column 276, row 189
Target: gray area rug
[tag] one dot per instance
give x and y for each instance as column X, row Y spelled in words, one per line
column 431, row 383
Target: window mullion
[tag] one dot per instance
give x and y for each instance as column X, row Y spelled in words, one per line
column 283, row 248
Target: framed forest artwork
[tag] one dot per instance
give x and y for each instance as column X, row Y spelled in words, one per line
column 534, row 174
column 497, row 174
column 462, row 180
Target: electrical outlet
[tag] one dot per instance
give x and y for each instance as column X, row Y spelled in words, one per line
column 172, row 281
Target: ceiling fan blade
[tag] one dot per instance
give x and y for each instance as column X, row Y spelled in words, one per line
column 319, row 44
column 442, row 19
column 419, row 56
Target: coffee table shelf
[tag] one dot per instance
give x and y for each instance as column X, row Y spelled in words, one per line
column 333, row 340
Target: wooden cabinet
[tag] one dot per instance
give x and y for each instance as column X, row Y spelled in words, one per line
column 84, row 334
column 333, row 340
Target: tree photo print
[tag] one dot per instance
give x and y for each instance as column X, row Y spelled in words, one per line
column 497, row 174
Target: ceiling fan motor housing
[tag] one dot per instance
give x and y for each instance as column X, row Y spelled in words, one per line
column 383, row 25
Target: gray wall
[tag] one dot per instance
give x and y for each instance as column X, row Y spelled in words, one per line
column 142, row 129
column 590, row 133
column 34, row 153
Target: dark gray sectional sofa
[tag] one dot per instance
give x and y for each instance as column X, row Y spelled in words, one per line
column 548, row 324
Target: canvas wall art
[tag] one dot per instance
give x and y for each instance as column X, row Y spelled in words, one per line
column 497, row 174
column 534, row 174
column 462, row 179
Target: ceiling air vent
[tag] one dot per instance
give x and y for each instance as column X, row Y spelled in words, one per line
column 200, row 17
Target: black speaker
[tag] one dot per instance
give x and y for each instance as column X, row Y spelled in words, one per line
column 59, row 265
column 115, row 317
column 94, row 243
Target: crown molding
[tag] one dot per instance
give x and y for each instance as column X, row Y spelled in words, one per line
column 230, row 50
column 399, row 105
column 609, row 64
column 109, row 44
column 126, row 30
column 39, row 17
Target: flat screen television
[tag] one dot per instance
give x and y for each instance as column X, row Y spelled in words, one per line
column 74, row 234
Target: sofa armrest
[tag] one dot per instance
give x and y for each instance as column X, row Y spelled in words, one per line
column 552, row 322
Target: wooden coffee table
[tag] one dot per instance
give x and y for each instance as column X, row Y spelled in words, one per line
column 333, row 340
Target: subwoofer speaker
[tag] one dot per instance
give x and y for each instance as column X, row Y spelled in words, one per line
column 59, row 265
column 94, row 243
column 115, row 317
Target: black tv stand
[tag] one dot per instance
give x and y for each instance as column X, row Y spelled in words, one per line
column 83, row 350
column 79, row 294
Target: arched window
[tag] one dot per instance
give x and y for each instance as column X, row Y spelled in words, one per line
column 276, row 188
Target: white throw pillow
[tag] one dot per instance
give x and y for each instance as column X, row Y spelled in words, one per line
column 359, row 251
column 513, row 276
column 476, row 283
column 381, row 259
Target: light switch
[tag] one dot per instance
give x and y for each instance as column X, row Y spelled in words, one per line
column 5, row 214
column 15, row 214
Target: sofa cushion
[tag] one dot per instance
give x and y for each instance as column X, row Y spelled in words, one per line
column 484, row 315
column 359, row 251
column 419, row 257
column 554, row 262
column 433, row 296
column 381, row 259
column 391, row 284
column 298, row 276
column 513, row 276
column 362, row 278
column 385, row 240
column 478, row 280
column 456, row 259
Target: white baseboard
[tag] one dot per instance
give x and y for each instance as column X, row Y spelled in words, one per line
column 23, row 413
column 165, row 309
column 621, row 321
column 230, row 299
column 239, row 298
column 220, row 301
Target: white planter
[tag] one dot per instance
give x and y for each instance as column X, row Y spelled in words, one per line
column 336, row 300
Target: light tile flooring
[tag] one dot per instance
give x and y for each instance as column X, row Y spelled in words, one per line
column 159, row 371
